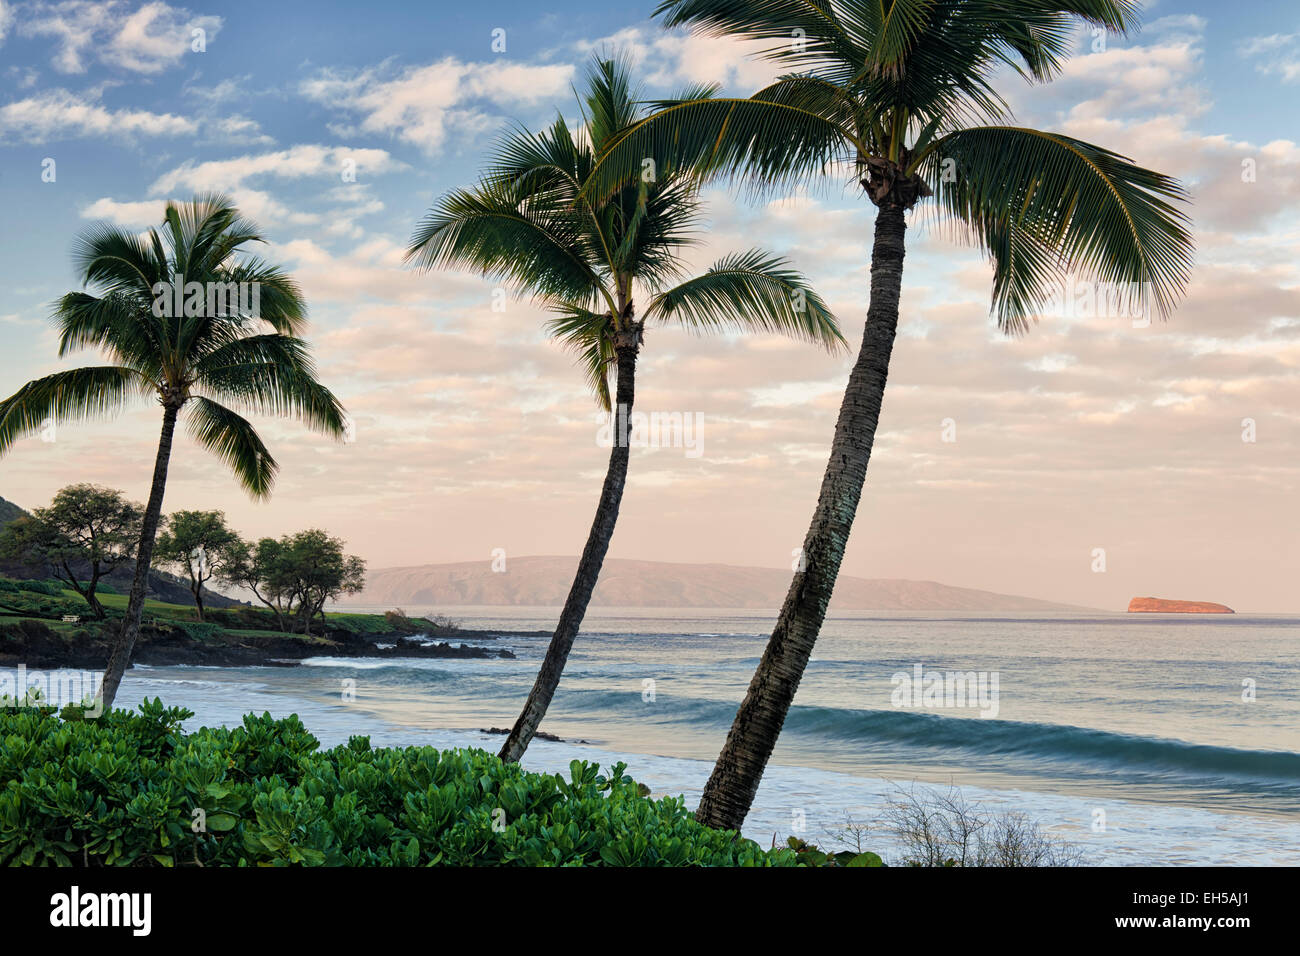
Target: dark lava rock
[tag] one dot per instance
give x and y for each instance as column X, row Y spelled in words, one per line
column 36, row 645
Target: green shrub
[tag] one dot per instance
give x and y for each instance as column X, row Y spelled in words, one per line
column 243, row 618
column 132, row 789
column 199, row 631
column 38, row 604
column 50, row 588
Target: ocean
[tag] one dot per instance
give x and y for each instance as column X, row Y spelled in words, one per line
column 1144, row 739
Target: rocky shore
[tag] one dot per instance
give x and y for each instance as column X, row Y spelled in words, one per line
column 37, row 645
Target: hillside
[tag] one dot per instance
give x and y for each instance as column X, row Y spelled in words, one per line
column 9, row 511
column 545, row 580
column 162, row 586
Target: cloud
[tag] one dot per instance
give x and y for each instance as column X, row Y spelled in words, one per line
column 225, row 91
column 669, row 60
column 296, row 162
column 1276, row 53
column 130, row 215
column 1081, row 434
column 237, row 130
column 146, row 40
column 424, row 105
column 59, row 114
column 6, row 19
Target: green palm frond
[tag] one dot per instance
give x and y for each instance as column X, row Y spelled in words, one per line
column 117, row 261
column 194, row 228
column 1043, row 205
column 776, row 146
column 750, row 292
column 280, row 299
column 271, row 375
column 825, row 30
column 490, row 231
column 120, row 324
column 611, row 100
column 234, row 440
column 588, row 335
column 76, row 394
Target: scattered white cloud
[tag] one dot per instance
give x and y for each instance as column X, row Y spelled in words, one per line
column 22, row 77
column 425, row 105
column 669, row 60
column 225, row 91
column 296, row 162
column 130, row 215
column 59, row 114
column 148, row 39
column 1276, row 53
column 238, row 131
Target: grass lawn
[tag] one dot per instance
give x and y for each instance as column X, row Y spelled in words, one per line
column 373, row 624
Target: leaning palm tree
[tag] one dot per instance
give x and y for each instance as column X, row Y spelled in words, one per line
column 589, row 263
column 899, row 94
column 189, row 319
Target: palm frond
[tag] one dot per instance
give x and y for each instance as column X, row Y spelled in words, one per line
column 281, row 302
column 117, row 261
column 118, row 323
column 234, row 440
column 589, row 336
column 1043, row 204
column 491, row 231
column 773, row 144
column 750, row 292
column 271, row 375
column 76, row 394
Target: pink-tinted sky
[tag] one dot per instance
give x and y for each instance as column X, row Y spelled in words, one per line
column 474, row 433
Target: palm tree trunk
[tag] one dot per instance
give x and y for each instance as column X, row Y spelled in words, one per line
column 121, row 654
column 736, row 775
column 593, row 556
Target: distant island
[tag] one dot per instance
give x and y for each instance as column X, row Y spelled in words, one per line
column 1152, row 605
column 543, row 581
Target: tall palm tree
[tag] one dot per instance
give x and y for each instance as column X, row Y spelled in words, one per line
column 899, row 94
column 169, row 315
column 589, row 263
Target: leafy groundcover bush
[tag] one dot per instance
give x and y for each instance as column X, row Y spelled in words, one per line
column 133, row 789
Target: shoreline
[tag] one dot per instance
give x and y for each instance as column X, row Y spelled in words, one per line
column 36, row 644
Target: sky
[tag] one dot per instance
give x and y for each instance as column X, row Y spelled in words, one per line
column 1088, row 461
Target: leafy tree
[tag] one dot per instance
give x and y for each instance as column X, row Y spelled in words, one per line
column 85, row 534
column 208, row 358
column 899, row 94
column 314, row 570
column 533, row 221
column 296, row 575
column 255, row 567
column 199, row 543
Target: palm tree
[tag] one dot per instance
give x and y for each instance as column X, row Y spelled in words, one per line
column 188, row 318
column 899, row 94
column 588, row 263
